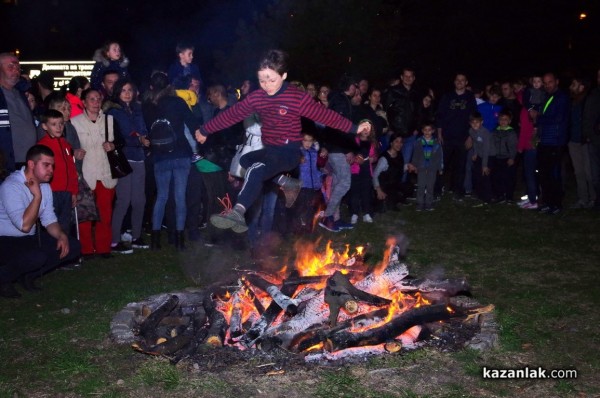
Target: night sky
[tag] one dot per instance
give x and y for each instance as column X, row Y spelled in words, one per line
column 485, row 39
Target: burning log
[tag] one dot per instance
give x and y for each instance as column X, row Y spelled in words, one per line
column 315, row 335
column 339, row 293
column 257, row 304
column 315, row 312
column 217, row 323
column 417, row 316
column 269, row 315
column 289, row 305
column 235, row 321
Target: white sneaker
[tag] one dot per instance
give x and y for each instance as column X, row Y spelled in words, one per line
column 354, row 219
column 523, row 202
column 367, row 218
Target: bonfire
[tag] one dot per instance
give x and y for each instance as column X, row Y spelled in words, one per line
column 329, row 306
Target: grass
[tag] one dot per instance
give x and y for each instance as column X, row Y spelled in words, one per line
column 539, row 271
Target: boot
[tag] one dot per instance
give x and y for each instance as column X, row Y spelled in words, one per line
column 180, row 241
column 28, row 283
column 155, row 240
column 7, row 290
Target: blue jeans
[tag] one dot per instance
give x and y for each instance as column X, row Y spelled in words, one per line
column 530, row 175
column 63, row 209
column 164, row 171
column 261, row 221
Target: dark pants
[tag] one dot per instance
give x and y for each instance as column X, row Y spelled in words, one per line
column 263, row 165
column 32, row 254
column 308, row 203
column 63, row 208
column 361, row 194
column 394, row 195
column 194, row 199
column 482, row 184
column 455, row 158
column 503, row 178
column 549, row 166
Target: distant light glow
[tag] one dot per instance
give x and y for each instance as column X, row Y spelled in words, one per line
column 582, row 16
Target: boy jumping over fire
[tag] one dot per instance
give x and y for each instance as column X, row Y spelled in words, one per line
column 280, row 107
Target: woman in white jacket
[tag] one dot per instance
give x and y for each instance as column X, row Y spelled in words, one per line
column 91, row 126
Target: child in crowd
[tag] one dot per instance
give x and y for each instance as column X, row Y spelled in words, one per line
column 74, row 89
column 183, row 64
column 532, row 99
column 182, row 89
column 59, row 102
column 361, row 186
column 310, row 198
column 280, row 107
column 64, row 183
column 480, row 139
column 503, row 152
column 109, row 57
column 427, row 162
column 387, row 176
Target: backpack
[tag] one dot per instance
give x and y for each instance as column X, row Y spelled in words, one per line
column 162, row 137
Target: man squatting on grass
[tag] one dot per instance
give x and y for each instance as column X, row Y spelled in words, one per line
column 25, row 197
column 279, row 106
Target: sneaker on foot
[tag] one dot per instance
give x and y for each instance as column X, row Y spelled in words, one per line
column 139, row 243
column 420, row 207
column 343, row 225
column 354, row 219
column 121, row 248
column 291, row 188
column 429, row 208
column 523, row 202
column 529, row 206
column 554, row 210
column 328, row 224
column 367, row 218
column 229, row 219
column 196, row 158
column 544, row 209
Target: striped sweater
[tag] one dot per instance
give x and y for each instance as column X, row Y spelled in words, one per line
column 280, row 115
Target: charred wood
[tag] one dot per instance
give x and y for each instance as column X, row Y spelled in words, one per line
column 318, row 334
column 269, row 315
column 148, row 328
column 257, row 304
column 289, row 305
column 340, row 293
column 217, row 323
column 345, row 339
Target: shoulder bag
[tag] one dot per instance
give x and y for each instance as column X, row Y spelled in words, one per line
column 119, row 165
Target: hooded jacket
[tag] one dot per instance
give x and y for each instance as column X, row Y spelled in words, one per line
column 103, row 64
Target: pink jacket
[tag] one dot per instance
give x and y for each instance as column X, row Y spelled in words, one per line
column 355, row 167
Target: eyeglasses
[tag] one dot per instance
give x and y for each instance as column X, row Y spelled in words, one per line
column 13, row 66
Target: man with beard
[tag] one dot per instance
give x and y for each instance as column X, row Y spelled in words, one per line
column 25, row 197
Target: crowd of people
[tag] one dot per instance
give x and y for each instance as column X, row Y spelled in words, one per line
column 285, row 158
